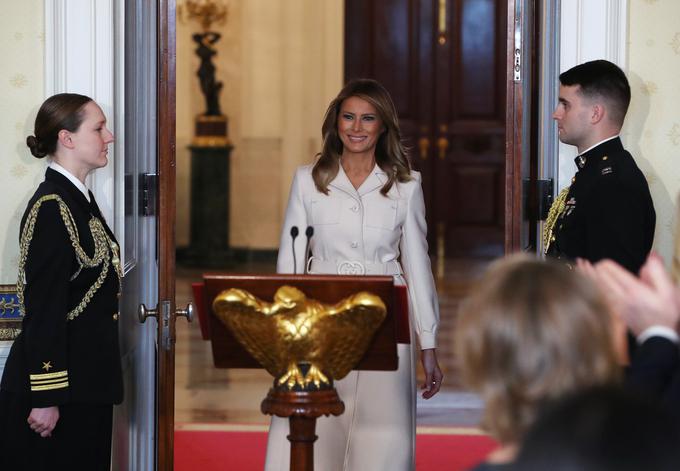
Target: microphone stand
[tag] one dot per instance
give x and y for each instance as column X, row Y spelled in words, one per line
column 294, row 231
column 309, row 232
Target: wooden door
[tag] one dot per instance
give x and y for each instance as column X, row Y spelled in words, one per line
column 165, row 405
column 521, row 155
column 444, row 63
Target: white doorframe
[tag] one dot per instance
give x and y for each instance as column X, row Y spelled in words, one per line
column 79, row 58
column 589, row 29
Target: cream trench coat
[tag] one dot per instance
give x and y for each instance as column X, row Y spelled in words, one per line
column 377, row 430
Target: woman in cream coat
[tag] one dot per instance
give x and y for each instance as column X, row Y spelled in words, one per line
column 367, row 210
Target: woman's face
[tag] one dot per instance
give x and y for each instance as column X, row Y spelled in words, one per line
column 92, row 139
column 359, row 126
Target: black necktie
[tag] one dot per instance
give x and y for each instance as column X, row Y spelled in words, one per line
column 93, row 206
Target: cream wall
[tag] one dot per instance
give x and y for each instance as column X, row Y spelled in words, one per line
column 281, row 63
column 22, row 43
column 652, row 130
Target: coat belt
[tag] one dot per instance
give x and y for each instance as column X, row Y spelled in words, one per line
column 353, row 267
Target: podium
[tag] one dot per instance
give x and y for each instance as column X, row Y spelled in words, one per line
column 303, row 407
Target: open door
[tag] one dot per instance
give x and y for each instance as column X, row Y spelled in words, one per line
column 166, row 310
column 520, row 155
column 144, row 423
column 135, row 430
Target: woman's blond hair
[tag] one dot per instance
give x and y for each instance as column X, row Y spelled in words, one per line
column 530, row 332
column 390, row 154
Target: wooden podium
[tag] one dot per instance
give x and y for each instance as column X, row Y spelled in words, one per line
column 302, row 407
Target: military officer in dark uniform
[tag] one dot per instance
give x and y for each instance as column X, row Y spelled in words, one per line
column 607, row 212
column 63, row 373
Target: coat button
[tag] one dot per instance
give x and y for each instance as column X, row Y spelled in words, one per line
column 354, row 208
column 354, row 245
column 115, row 316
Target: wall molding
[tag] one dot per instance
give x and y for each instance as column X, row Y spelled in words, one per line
column 79, row 58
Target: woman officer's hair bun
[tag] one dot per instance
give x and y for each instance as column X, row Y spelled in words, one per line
column 36, row 149
column 61, row 111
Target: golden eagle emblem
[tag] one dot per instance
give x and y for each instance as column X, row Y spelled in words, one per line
column 295, row 331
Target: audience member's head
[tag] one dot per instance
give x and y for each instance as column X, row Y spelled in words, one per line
column 602, row 429
column 531, row 332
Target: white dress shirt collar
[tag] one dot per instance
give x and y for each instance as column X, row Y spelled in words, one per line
column 77, row 183
column 601, row 142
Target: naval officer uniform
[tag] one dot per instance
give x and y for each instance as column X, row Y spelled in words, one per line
column 67, row 354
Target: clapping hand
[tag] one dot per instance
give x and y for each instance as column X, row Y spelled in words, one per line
column 650, row 300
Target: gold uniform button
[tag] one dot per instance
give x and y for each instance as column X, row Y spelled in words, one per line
column 605, row 157
column 573, row 179
column 115, row 316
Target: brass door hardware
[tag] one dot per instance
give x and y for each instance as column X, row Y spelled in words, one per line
column 424, row 146
column 443, row 146
column 441, row 22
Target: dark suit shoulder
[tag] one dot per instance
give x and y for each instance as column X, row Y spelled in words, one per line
column 620, row 166
column 618, row 175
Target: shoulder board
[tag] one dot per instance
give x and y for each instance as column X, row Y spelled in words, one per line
column 605, row 165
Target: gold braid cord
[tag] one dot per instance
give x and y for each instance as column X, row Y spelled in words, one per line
column 105, row 251
column 555, row 210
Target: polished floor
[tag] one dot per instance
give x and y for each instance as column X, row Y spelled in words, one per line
column 207, row 396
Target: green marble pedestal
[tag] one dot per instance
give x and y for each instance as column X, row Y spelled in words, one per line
column 209, row 231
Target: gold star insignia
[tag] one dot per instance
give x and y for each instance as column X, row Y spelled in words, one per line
column 47, row 365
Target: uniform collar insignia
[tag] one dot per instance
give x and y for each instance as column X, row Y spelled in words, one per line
column 609, row 147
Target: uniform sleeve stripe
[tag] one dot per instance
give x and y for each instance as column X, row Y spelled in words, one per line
column 49, row 381
column 56, row 374
column 48, row 387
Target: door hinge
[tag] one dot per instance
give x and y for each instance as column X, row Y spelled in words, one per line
column 148, row 191
column 544, row 191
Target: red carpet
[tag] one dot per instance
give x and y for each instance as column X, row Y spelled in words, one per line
column 244, row 451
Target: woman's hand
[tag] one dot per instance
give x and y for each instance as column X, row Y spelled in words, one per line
column 43, row 420
column 433, row 375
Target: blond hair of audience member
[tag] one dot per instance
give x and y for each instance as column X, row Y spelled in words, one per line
column 530, row 332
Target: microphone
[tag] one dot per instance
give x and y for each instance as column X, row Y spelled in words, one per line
column 294, row 231
column 309, row 232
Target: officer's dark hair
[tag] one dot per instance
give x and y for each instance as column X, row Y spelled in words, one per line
column 61, row 111
column 602, row 429
column 601, row 79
